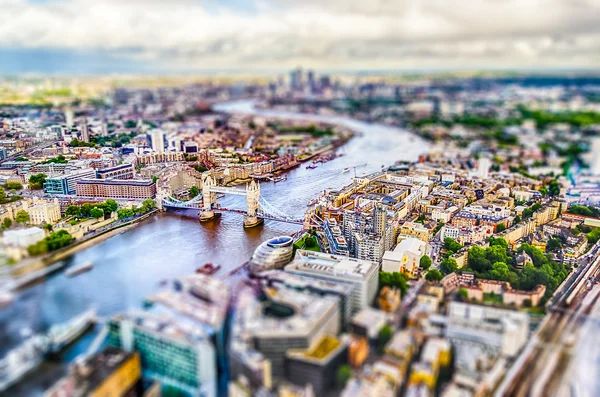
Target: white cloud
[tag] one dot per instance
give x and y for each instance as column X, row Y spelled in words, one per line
column 341, row 34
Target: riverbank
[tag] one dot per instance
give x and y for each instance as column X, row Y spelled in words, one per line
column 39, row 264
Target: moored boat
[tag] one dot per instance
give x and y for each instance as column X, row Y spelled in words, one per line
column 208, row 269
column 75, row 270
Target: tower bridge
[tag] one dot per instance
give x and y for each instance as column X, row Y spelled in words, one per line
column 257, row 208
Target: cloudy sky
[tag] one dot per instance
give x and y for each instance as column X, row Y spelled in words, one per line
column 274, row 35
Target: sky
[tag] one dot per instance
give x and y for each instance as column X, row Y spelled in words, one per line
column 123, row 36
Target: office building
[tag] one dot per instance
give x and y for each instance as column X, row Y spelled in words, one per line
column 84, row 130
column 66, row 184
column 476, row 327
column 274, row 320
column 116, row 188
column 362, row 275
column 112, row 372
column 123, row 171
column 274, row 253
column 157, row 140
column 176, row 353
column 318, row 365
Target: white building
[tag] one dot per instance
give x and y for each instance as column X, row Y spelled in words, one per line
column 473, row 327
column 406, row 257
column 157, row 140
column 363, row 275
column 23, row 238
column 42, row 212
column 483, row 167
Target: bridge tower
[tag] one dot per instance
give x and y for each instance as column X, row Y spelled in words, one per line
column 208, row 199
column 251, row 218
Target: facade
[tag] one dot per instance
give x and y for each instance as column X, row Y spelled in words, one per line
column 123, row 171
column 116, row 188
column 405, row 258
column 42, row 212
column 66, row 184
column 363, row 275
column 171, row 353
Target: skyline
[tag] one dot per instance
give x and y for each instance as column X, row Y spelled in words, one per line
column 265, row 36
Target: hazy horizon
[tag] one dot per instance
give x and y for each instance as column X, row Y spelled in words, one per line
column 187, row 36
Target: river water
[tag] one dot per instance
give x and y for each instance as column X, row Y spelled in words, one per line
column 129, row 266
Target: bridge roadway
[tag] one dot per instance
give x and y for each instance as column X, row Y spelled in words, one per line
column 219, row 209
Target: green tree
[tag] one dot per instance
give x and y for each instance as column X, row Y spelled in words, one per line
column 433, row 275
column 343, row 375
column 39, row 248
column 500, row 271
column 451, row 245
column 13, row 186
column 148, row 204
column 6, row 223
column 22, row 217
column 517, row 220
column 111, row 205
column 500, row 228
column 477, row 260
column 496, row 253
column 96, row 213
column 463, row 294
column 36, row 182
column 553, row 188
column 393, row 279
column 73, row 210
column 425, row 262
column 194, row 191
column 384, row 337
column 125, row 213
column 448, row 265
column 48, row 227
column 554, row 245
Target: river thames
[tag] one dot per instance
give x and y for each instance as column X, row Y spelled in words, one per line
column 129, row 266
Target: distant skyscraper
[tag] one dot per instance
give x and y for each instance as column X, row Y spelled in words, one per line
column 325, row 81
column 157, row 139
column 311, row 80
column 483, row 167
column 69, row 117
column 85, row 132
column 296, row 79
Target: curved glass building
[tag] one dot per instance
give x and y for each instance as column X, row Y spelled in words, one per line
column 274, row 253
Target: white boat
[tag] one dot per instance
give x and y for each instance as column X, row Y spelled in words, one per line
column 312, row 202
column 20, row 361
column 75, row 270
column 60, row 335
column 346, row 170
